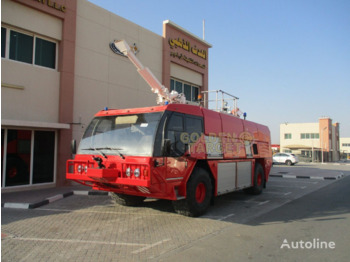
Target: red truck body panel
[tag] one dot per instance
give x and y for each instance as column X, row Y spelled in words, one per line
column 232, row 140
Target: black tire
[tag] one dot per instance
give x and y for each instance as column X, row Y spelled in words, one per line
column 199, row 195
column 289, row 163
column 127, row 200
column 259, row 180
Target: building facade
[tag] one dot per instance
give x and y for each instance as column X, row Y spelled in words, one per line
column 344, row 147
column 58, row 70
column 314, row 142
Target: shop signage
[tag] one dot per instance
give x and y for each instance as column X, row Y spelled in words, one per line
column 186, row 59
column 186, row 45
column 53, row 5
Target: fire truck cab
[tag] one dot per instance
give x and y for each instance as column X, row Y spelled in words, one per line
column 185, row 153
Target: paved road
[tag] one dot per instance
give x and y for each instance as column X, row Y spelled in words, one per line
column 320, row 217
column 238, row 227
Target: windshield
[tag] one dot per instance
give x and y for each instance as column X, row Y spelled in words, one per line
column 121, row 135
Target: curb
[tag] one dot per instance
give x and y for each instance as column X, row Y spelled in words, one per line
column 326, row 163
column 53, row 199
column 308, row 177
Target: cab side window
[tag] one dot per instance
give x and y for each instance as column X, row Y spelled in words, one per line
column 174, row 130
column 194, row 128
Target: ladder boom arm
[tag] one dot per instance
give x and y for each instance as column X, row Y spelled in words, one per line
column 156, row 87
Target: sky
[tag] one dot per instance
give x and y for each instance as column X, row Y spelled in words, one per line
column 287, row 61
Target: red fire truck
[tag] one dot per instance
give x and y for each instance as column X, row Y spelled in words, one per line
column 184, row 153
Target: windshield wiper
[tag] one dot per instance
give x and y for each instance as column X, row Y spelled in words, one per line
column 115, row 149
column 96, row 149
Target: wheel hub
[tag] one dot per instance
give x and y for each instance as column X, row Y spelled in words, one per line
column 200, row 192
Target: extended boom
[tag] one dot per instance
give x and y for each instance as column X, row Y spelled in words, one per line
column 164, row 97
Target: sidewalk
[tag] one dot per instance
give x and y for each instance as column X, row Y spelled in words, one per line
column 308, row 170
column 337, row 163
column 35, row 198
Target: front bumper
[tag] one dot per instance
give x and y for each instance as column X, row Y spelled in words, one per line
column 86, row 171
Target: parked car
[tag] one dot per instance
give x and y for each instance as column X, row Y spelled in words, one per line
column 285, row 158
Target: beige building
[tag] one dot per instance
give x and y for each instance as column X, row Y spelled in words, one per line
column 344, row 147
column 309, row 140
column 58, row 70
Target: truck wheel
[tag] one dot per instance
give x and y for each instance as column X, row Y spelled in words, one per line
column 258, row 185
column 199, row 194
column 127, row 200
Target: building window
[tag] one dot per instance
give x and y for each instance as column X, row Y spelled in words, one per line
column 190, row 91
column 44, row 151
column 3, row 41
column 23, row 47
column 187, row 91
column 29, row 157
column 195, row 93
column 178, row 87
column 345, row 145
column 309, row 136
column 18, row 157
column 288, row 136
column 45, row 53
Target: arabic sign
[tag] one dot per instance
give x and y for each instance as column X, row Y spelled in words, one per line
column 186, row 59
column 186, row 45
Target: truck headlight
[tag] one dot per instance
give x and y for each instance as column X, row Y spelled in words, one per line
column 137, row 172
column 128, row 172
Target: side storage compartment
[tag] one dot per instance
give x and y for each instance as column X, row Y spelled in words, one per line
column 233, row 176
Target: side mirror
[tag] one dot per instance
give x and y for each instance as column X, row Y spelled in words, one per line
column 188, row 150
column 74, row 146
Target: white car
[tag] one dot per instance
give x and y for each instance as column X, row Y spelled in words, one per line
column 285, row 158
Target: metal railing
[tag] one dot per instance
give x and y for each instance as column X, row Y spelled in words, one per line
column 222, row 102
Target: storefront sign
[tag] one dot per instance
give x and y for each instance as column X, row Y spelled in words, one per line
column 186, row 45
column 186, row 59
column 53, row 5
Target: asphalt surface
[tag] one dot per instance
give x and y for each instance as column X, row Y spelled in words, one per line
column 322, row 216
column 76, row 226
